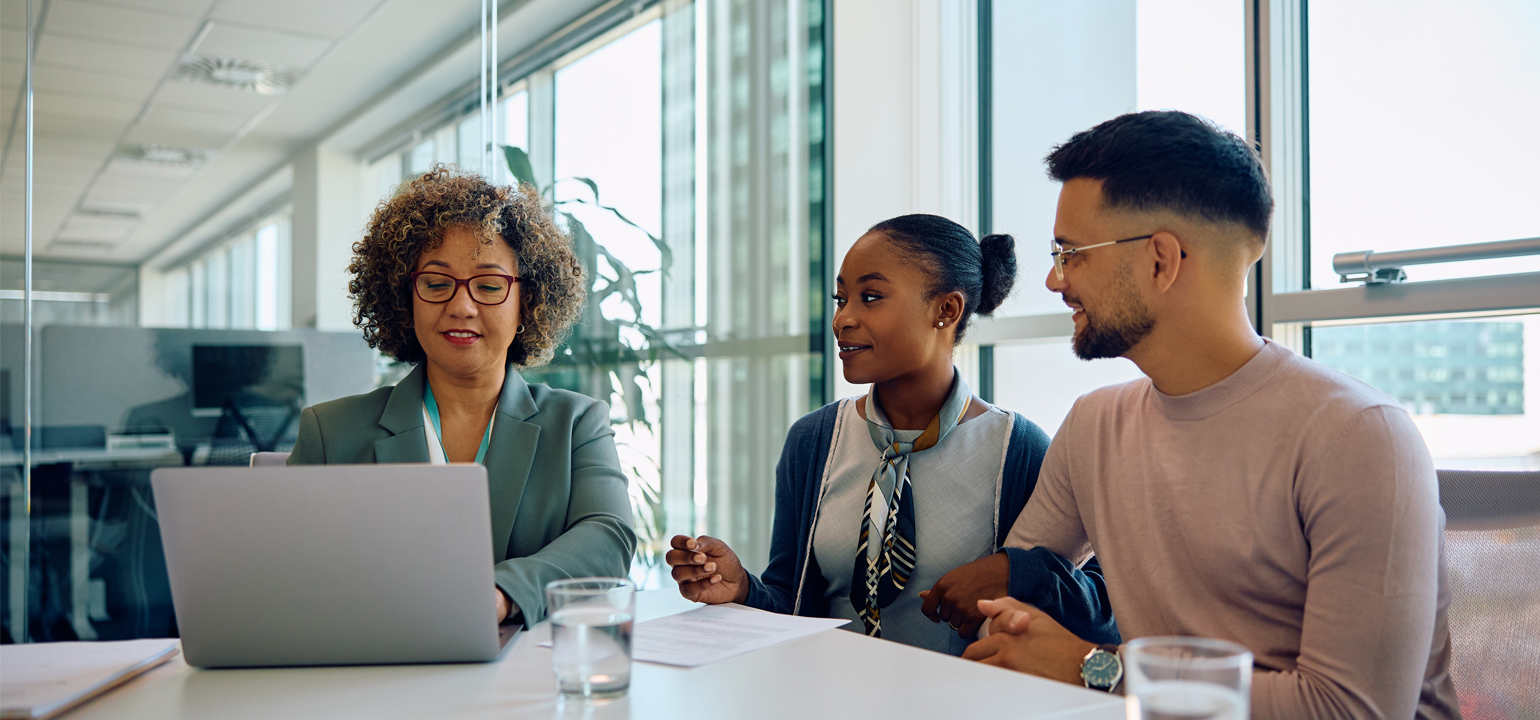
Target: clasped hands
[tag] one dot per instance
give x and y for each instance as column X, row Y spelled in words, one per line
column 1021, row 637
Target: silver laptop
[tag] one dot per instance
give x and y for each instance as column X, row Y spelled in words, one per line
column 329, row 564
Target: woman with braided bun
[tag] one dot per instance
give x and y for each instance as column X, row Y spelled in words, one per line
column 470, row 282
column 879, row 496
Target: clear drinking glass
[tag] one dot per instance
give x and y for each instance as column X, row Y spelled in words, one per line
column 591, row 635
column 1187, row 678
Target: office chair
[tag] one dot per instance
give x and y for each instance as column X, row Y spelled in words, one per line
column 1492, row 546
column 246, row 428
column 269, row 459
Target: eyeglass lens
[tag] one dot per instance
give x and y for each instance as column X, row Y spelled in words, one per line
column 484, row 289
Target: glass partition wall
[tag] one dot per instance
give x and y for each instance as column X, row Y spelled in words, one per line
column 684, row 139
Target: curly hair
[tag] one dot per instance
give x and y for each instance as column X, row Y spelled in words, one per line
column 552, row 281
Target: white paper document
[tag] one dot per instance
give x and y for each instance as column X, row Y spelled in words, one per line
column 717, row 632
column 47, row 679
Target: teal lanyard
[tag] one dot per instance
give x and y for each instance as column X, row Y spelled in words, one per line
column 438, row 427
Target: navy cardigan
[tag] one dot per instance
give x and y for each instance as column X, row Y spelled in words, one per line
column 793, row 583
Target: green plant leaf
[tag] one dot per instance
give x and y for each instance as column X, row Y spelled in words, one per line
column 591, row 186
column 518, row 165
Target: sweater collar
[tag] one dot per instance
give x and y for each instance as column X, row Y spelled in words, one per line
column 1241, row 384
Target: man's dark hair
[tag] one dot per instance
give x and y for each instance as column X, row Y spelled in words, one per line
column 1170, row 160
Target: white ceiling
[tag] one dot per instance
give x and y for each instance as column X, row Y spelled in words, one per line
column 105, row 80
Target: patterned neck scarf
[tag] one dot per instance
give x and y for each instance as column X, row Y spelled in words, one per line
column 882, row 571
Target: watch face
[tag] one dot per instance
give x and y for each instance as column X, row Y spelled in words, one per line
column 1102, row 669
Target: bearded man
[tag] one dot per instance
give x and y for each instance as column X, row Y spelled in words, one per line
column 1238, row 491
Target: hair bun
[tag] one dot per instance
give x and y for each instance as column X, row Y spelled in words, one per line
column 999, row 270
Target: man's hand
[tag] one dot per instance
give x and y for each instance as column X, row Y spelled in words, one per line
column 1025, row 639
column 707, row 570
column 954, row 599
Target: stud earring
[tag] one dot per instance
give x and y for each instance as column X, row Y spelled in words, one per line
column 940, row 323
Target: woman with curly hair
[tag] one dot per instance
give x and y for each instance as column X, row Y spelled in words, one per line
column 470, row 282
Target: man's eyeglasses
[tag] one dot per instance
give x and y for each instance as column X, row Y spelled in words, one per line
column 1060, row 255
column 438, row 288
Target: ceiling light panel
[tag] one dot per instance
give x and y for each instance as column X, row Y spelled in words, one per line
column 96, row 229
column 119, row 24
column 97, row 55
column 201, row 138
column 79, row 248
column 153, row 169
column 281, row 49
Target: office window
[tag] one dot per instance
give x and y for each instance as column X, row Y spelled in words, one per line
column 241, row 284
column 717, row 165
column 1420, row 122
column 1463, row 381
column 1059, row 68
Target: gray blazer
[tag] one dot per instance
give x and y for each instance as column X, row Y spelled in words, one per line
column 558, row 495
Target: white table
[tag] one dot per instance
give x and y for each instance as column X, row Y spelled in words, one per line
column 821, row 676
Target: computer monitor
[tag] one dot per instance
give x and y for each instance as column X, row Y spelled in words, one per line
column 249, row 374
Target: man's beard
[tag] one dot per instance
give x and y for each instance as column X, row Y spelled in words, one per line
column 1124, row 327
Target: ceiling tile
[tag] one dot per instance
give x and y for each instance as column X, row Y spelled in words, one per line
column 13, row 45
column 99, row 56
column 13, row 14
column 132, row 190
column 285, row 50
column 162, row 116
column 14, row 73
column 106, row 202
column 139, row 171
column 201, row 138
column 331, row 19
column 194, row 8
column 118, row 24
column 202, row 96
column 49, row 105
column 73, row 147
column 81, row 82
column 85, row 227
column 80, row 128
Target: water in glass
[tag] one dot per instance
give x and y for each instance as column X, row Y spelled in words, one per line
column 1186, row 700
column 591, row 649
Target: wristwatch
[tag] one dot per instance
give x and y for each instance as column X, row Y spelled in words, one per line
column 1102, row 669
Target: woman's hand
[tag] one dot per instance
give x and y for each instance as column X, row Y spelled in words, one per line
column 707, row 570
column 503, row 605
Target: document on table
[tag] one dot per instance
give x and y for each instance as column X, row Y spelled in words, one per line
column 47, row 679
column 717, row 632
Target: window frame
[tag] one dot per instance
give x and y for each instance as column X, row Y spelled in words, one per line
column 1280, row 301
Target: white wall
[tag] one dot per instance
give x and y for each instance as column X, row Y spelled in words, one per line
column 329, row 216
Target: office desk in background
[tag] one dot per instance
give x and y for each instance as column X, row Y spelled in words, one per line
column 83, row 462
column 836, row 674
